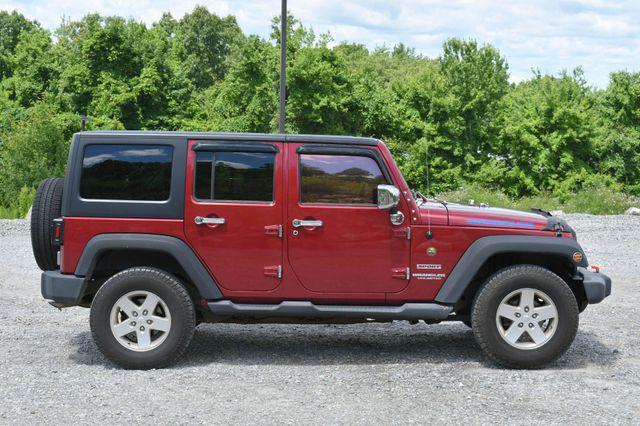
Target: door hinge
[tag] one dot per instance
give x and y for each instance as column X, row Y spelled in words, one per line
column 402, row 233
column 273, row 271
column 273, row 230
column 403, row 273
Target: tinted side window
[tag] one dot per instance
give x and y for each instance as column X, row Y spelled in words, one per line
column 341, row 179
column 234, row 176
column 126, row 172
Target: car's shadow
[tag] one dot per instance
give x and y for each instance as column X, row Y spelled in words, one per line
column 340, row 344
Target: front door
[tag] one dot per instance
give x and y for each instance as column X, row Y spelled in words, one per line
column 233, row 212
column 338, row 239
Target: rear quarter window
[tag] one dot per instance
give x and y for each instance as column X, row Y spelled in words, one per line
column 126, row 172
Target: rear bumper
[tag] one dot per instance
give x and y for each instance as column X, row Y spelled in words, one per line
column 62, row 289
column 597, row 286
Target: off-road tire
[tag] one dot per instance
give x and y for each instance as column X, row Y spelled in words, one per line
column 501, row 284
column 47, row 205
column 170, row 290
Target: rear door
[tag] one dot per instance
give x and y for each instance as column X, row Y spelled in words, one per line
column 349, row 245
column 233, row 212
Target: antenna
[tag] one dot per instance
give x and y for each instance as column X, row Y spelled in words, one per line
column 429, row 234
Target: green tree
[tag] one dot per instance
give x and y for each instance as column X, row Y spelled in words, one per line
column 34, row 149
column 246, row 100
column 203, row 41
column 619, row 130
column 11, row 26
column 546, row 137
column 31, row 67
column 478, row 78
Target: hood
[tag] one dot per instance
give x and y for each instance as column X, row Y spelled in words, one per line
column 491, row 217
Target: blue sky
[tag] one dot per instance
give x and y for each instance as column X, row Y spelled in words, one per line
column 600, row 35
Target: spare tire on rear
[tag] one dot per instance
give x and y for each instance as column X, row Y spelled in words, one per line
column 47, row 205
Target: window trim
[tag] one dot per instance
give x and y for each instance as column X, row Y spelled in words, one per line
column 344, row 151
column 239, row 149
column 235, row 147
column 74, row 206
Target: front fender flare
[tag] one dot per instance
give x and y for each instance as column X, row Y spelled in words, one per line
column 483, row 248
column 173, row 246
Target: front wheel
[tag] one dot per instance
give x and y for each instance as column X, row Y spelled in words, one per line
column 142, row 318
column 525, row 316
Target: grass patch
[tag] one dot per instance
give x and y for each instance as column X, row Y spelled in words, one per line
column 11, row 213
column 19, row 208
column 594, row 200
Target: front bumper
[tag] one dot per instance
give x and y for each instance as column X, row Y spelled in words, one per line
column 597, row 286
column 62, row 289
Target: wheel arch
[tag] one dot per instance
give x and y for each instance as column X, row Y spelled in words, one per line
column 490, row 254
column 107, row 254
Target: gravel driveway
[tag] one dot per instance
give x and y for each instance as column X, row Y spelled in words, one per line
column 50, row 370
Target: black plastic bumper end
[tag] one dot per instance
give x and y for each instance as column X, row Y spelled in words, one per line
column 63, row 289
column 597, row 286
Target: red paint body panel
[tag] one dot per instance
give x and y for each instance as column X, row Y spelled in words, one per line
column 355, row 251
column 428, row 273
column 79, row 230
column 491, row 217
column 238, row 251
column 433, row 213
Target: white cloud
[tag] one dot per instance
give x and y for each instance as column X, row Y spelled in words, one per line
column 234, row 164
column 600, row 35
column 143, row 152
column 95, row 159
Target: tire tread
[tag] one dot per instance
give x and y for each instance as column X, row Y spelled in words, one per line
column 485, row 293
column 47, row 205
column 176, row 287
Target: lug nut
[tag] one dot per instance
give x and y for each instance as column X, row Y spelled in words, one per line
column 530, row 325
column 526, row 309
column 145, row 312
column 134, row 313
column 518, row 315
column 141, row 328
column 520, row 325
column 535, row 315
column 133, row 323
column 149, row 322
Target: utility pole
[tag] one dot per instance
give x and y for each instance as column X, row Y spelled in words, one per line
column 283, row 65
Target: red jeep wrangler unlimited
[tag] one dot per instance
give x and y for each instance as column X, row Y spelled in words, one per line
column 160, row 231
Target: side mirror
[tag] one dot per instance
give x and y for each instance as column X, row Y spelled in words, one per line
column 388, row 197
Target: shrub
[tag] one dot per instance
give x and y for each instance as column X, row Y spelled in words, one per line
column 595, row 199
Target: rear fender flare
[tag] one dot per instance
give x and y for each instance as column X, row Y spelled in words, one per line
column 484, row 248
column 184, row 255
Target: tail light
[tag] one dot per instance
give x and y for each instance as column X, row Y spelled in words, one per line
column 57, row 235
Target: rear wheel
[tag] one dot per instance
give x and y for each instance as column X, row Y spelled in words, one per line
column 47, row 205
column 142, row 318
column 525, row 316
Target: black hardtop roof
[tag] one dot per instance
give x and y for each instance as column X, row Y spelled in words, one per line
column 235, row 137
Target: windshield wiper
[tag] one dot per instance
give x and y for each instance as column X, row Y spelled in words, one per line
column 417, row 194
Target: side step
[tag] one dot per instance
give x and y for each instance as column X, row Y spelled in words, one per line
column 291, row 309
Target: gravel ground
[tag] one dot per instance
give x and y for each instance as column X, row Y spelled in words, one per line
column 51, row 371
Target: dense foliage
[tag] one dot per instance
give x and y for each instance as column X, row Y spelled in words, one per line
column 546, row 135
